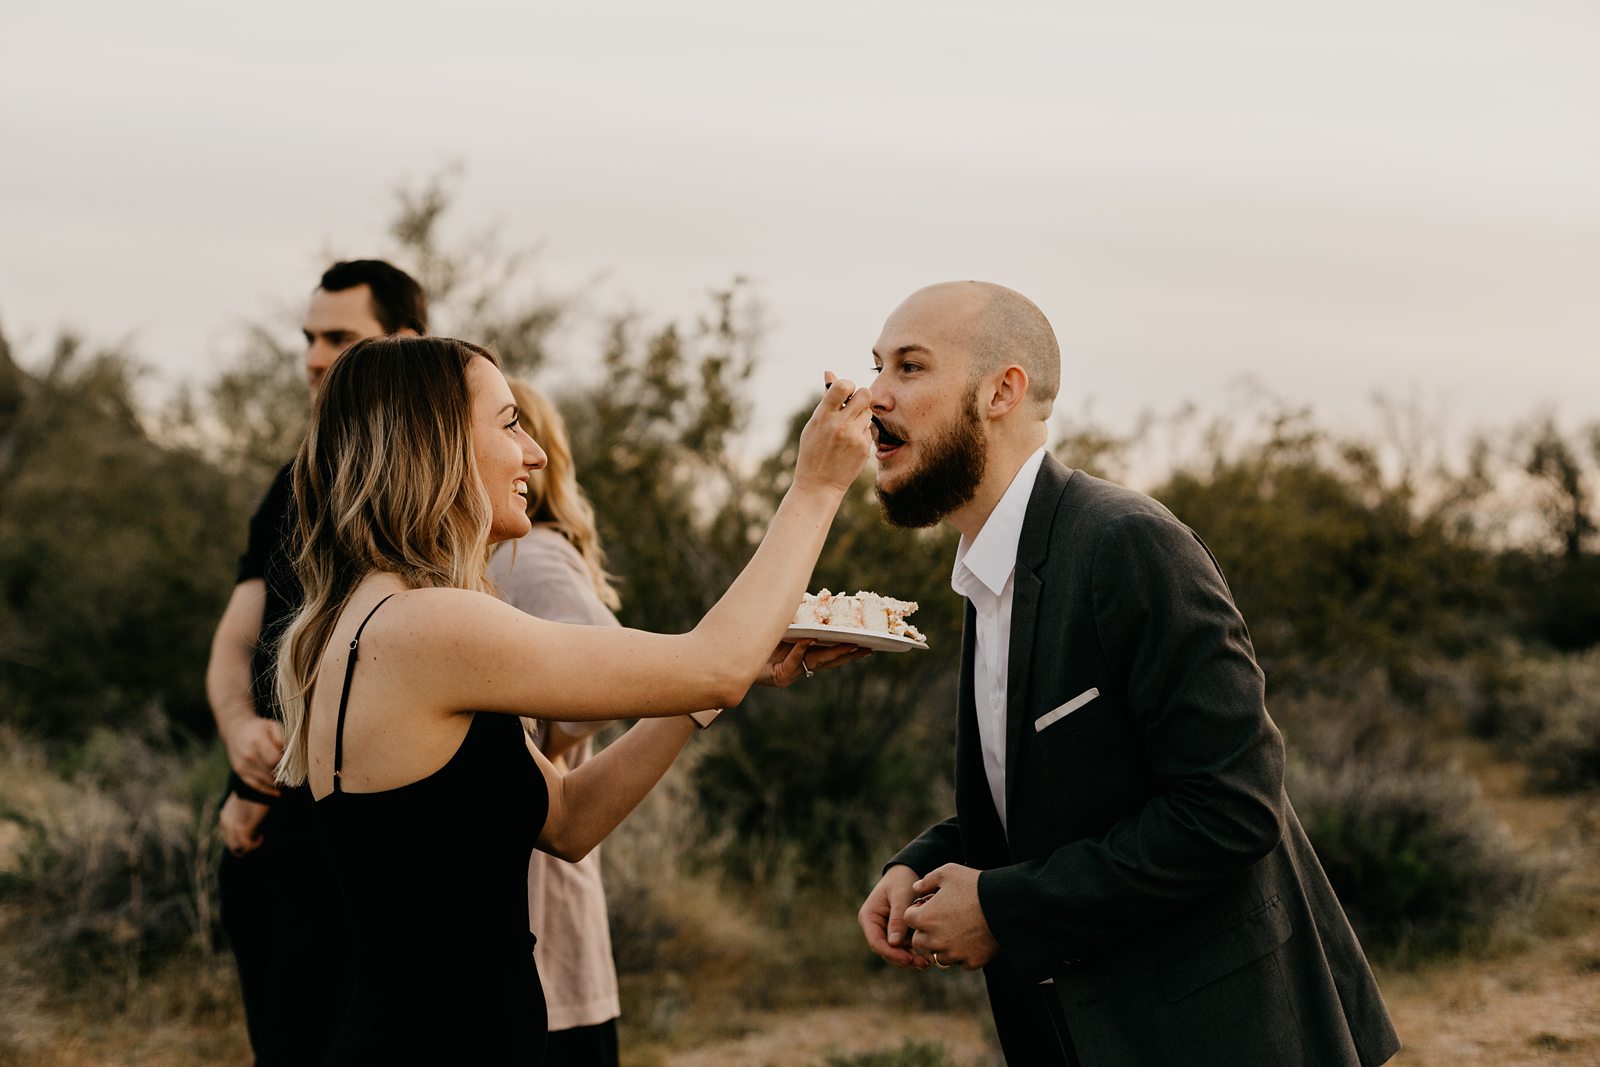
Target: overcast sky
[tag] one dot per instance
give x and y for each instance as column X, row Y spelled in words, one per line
column 1331, row 199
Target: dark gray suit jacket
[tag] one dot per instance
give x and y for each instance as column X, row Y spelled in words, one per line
column 1154, row 869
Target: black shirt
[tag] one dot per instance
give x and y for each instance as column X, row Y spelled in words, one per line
column 268, row 554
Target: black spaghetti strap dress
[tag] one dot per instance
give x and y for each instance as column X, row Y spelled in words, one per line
column 434, row 877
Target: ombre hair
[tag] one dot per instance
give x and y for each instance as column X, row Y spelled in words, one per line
column 386, row 480
column 554, row 497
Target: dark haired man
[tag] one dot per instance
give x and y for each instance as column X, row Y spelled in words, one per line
column 280, row 918
column 1123, row 862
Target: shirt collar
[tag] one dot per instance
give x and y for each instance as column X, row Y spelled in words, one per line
column 992, row 555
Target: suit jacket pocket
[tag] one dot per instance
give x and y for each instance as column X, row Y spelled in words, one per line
column 1226, row 951
column 1050, row 718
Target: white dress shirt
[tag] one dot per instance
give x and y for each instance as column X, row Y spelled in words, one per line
column 985, row 574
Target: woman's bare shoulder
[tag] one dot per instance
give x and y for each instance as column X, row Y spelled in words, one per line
column 422, row 618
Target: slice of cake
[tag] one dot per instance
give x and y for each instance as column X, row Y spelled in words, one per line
column 864, row 611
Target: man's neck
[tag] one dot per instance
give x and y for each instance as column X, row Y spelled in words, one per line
column 1004, row 462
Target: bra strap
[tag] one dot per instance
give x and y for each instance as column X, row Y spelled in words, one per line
column 344, row 697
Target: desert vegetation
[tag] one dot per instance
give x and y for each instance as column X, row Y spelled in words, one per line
column 1427, row 611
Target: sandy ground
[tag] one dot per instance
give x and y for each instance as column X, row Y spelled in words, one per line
column 803, row 1039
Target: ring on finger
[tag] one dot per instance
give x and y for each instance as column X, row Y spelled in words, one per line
column 808, row 670
column 937, row 962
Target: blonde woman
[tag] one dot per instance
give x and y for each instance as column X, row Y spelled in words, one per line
column 401, row 678
column 557, row 572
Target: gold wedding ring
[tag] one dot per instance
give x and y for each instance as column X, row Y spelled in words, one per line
column 937, row 962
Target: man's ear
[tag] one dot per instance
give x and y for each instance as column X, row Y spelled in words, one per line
column 1010, row 390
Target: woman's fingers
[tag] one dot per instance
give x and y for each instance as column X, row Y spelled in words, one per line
column 837, row 439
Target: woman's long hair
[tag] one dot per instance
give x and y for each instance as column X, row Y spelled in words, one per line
column 385, row 480
column 554, row 497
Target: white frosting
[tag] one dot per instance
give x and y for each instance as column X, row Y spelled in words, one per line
column 863, row 611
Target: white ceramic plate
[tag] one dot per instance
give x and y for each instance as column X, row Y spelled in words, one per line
column 849, row 635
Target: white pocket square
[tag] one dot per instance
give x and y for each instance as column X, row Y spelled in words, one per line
column 1050, row 718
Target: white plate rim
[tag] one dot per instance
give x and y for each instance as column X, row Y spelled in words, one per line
column 841, row 635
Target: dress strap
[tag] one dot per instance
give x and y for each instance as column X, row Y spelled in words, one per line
column 344, row 697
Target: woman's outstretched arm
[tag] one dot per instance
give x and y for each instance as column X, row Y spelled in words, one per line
column 473, row 653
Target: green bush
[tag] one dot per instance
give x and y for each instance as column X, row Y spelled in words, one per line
column 1418, row 862
column 1330, row 560
column 116, row 554
column 1550, row 716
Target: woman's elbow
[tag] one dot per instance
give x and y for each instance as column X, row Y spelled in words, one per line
column 564, row 847
column 731, row 694
column 727, row 688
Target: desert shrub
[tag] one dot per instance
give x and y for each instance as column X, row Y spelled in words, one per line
column 682, row 944
column 1330, row 560
column 114, row 874
column 116, row 554
column 1416, row 857
column 1418, row 862
column 912, row 1053
column 1550, row 716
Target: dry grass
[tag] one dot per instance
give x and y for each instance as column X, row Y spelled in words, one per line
column 1534, row 999
column 724, row 990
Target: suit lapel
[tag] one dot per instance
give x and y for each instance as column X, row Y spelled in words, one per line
column 1027, row 592
column 967, row 743
column 1024, row 617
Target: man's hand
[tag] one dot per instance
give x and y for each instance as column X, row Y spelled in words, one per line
column 950, row 921
column 882, row 918
column 793, row 660
column 240, row 821
column 254, row 748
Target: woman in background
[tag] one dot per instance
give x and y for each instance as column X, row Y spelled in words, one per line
column 557, row 571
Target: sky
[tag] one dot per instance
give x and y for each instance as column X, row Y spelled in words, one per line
column 1328, row 200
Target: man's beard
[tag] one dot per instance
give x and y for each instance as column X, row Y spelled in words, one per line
column 953, row 464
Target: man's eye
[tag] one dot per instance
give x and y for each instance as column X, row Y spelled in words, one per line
column 910, row 366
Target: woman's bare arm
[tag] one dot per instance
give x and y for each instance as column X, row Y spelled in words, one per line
column 469, row 652
column 586, row 804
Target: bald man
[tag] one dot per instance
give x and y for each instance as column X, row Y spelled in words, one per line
column 1123, row 862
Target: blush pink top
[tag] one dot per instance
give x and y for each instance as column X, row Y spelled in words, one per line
column 566, row 901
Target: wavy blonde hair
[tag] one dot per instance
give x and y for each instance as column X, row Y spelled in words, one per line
column 386, row 480
column 554, row 497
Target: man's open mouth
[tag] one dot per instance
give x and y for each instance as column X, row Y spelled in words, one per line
column 887, row 440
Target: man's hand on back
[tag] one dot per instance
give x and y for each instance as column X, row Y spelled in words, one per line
column 240, row 821
column 254, row 747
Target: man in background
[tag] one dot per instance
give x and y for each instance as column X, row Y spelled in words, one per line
column 278, row 908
